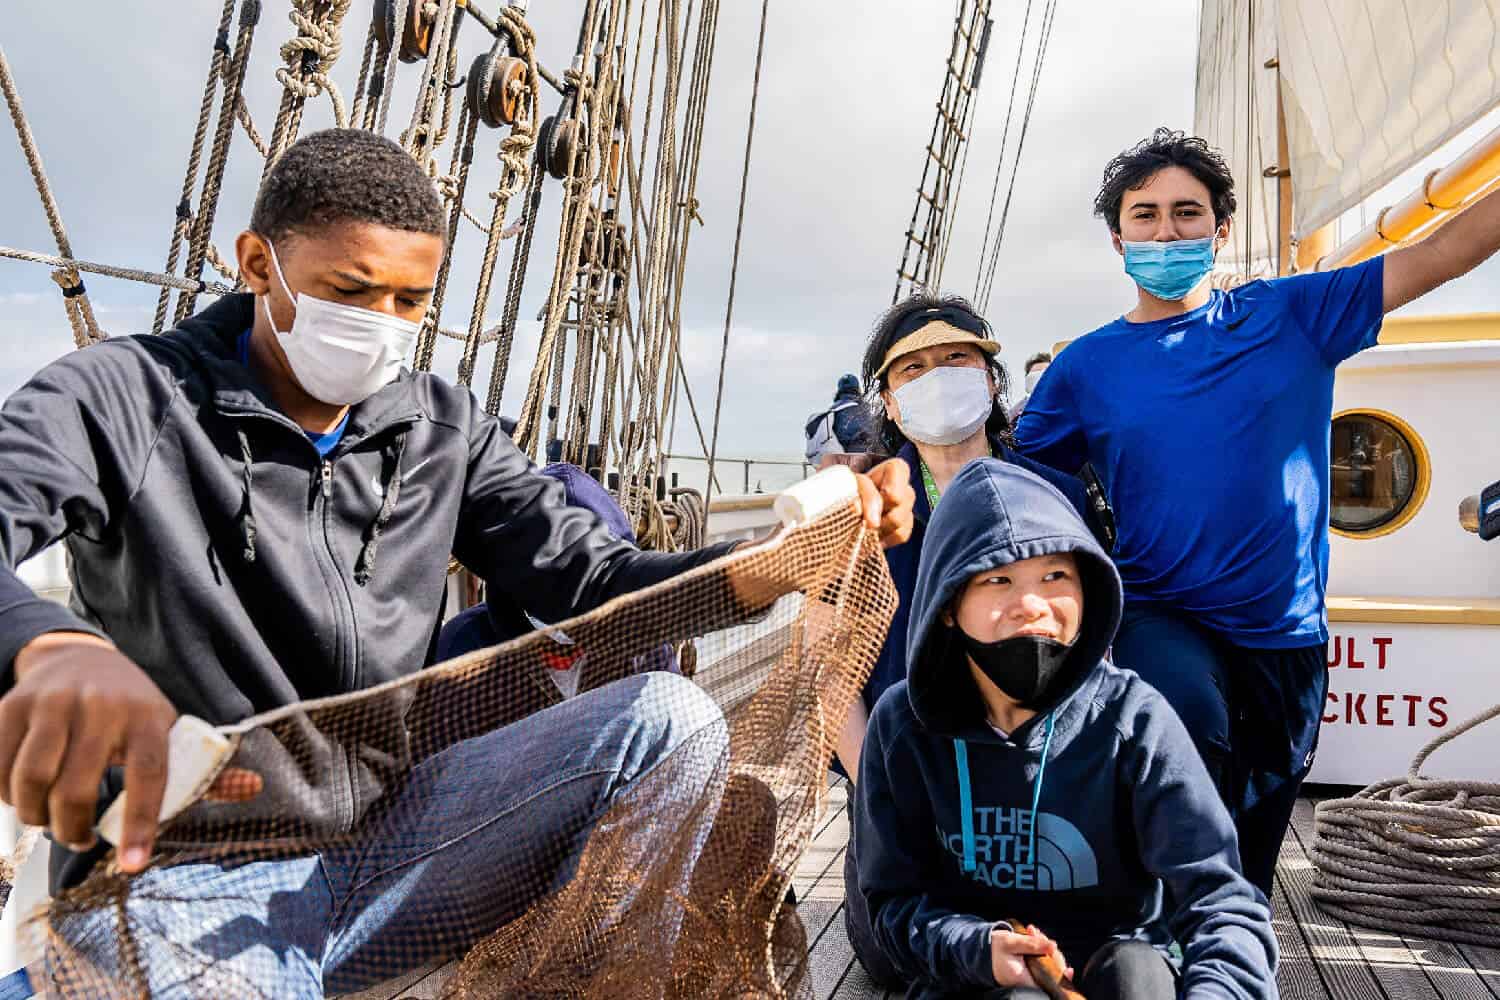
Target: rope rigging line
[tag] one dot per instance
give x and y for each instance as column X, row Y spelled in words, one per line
column 110, row 270
column 685, row 212
column 970, row 113
column 760, row 48
column 76, row 303
column 1048, row 18
column 1010, row 108
column 621, row 228
column 673, row 189
column 1414, row 855
column 933, row 208
column 199, row 247
column 195, row 159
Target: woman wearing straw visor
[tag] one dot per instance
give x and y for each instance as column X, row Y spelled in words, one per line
column 939, row 394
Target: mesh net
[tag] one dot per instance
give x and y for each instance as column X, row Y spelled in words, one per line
column 665, row 877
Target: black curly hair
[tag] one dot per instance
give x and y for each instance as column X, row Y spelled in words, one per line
column 346, row 174
column 1134, row 168
column 887, row 438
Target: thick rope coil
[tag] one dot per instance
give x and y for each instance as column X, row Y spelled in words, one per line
column 688, row 507
column 318, row 35
column 1417, row 855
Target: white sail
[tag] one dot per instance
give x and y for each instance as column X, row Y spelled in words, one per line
column 1369, row 88
column 1235, row 110
column 1373, row 86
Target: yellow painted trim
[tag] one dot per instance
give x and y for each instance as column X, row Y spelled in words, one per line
column 1415, row 610
column 1459, row 328
column 1456, row 329
column 1424, row 473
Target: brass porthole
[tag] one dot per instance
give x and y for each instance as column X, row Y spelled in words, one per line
column 1379, row 476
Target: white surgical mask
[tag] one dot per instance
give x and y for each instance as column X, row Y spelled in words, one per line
column 1033, row 377
column 341, row 354
column 945, row 405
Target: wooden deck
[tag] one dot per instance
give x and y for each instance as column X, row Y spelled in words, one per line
column 1321, row 958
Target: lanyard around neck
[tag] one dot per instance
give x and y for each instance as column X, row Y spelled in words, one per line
column 930, row 485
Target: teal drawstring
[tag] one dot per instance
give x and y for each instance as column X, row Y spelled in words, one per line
column 965, row 803
column 1036, row 789
column 966, row 797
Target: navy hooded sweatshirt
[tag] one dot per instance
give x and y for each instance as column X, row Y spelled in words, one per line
column 1078, row 820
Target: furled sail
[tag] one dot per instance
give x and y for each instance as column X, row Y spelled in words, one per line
column 1369, row 88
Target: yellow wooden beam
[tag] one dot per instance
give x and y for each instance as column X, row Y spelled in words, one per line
column 1443, row 194
column 1455, row 329
column 1415, row 610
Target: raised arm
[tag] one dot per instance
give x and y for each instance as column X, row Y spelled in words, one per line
column 1456, row 248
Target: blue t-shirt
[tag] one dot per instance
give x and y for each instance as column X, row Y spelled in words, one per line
column 323, row 442
column 1210, row 431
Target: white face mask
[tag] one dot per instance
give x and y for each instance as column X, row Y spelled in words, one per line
column 341, row 354
column 945, row 405
column 1033, row 377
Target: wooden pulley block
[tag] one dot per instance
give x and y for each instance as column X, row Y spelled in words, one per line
column 566, row 147
column 591, row 225
column 416, row 34
column 544, row 134
column 616, row 158
column 506, row 78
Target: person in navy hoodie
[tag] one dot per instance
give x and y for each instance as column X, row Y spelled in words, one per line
column 934, row 365
column 1017, row 774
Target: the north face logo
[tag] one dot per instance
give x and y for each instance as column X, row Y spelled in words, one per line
column 1002, row 840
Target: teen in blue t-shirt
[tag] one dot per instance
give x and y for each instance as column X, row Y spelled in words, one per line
column 1206, row 413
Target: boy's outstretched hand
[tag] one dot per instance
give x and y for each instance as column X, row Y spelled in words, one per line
column 1010, row 951
column 887, row 499
column 78, row 706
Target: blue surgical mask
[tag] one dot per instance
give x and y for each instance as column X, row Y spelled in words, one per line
column 1169, row 270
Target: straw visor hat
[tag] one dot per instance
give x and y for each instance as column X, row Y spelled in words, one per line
column 930, row 335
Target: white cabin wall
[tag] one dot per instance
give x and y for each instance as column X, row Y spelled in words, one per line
column 1448, row 393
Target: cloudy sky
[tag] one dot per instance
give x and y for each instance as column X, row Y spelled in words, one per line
column 846, row 109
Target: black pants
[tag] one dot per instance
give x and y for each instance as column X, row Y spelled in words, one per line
column 1253, row 714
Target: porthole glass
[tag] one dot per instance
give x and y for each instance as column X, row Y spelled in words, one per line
column 1378, row 474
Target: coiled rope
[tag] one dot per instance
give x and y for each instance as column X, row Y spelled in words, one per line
column 1415, row 855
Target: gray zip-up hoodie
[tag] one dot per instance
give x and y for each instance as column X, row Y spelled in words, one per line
column 242, row 571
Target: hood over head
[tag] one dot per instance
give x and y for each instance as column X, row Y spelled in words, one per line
column 995, row 513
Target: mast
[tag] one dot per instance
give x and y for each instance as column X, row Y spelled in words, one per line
column 1292, row 254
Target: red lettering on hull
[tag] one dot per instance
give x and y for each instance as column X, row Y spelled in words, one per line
column 1351, row 708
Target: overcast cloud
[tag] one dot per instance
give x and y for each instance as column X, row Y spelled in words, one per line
column 846, row 109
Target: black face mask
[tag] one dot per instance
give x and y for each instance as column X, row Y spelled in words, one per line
column 1025, row 667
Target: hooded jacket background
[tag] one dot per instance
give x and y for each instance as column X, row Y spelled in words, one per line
column 1075, row 821
column 242, row 571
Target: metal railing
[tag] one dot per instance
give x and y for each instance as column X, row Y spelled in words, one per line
column 723, row 462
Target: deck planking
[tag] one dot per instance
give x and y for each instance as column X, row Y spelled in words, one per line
column 1322, row 957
